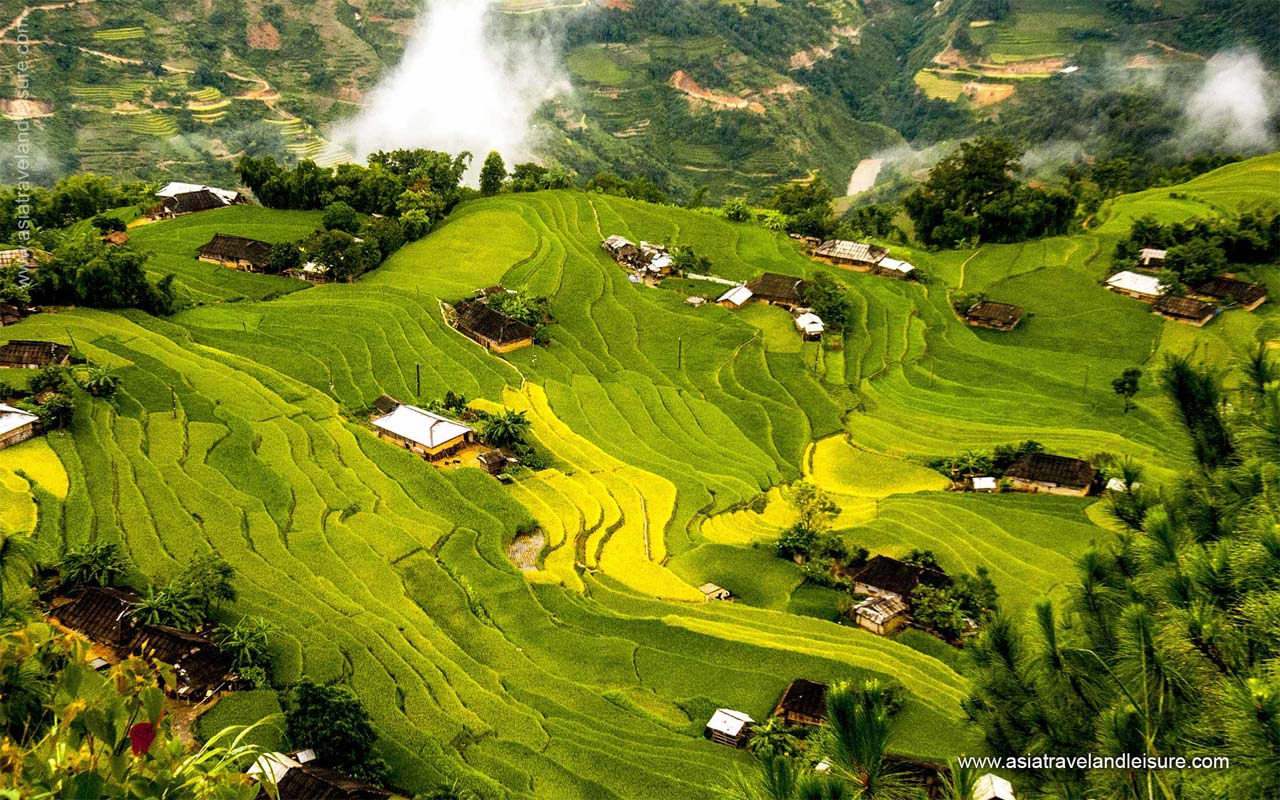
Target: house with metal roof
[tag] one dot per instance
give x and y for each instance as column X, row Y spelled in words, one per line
column 843, row 253
column 16, row 426
column 810, row 326
column 729, row 727
column 28, row 354
column 429, row 435
column 894, row 268
column 881, row 615
column 1152, row 258
column 1187, row 310
column 737, row 297
column 1136, row 285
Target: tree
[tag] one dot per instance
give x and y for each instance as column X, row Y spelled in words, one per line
column 247, row 641
column 340, row 216
column 1196, row 261
column 856, row 741
column 505, row 429
column 492, row 174
column 773, row 740
column 98, row 563
column 814, row 508
column 828, row 300
column 736, row 209
column 330, row 720
column 285, row 256
column 1127, row 386
column 208, row 581
column 100, row 382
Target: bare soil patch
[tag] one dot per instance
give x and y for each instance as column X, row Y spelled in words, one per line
column 524, row 550
column 264, row 36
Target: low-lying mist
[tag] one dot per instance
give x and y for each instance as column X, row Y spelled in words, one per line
column 461, row 85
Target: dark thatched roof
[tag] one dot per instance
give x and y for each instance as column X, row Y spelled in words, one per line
column 310, row 782
column 238, row 248
column 899, row 577
column 200, row 665
column 386, row 404
column 1185, row 308
column 21, row 352
column 9, row 314
column 100, row 614
column 191, row 202
column 478, row 320
column 1046, row 468
column 777, row 288
column 1242, row 292
column 1000, row 315
column 804, row 697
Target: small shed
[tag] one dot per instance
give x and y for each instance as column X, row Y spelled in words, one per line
column 737, row 297
column 1242, row 293
column 429, row 435
column 729, row 727
column 779, row 290
column 992, row 787
column 893, row 268
column 881, row 615
column 621, row 249
column 883, row 576
column 9, row 314
column 803, row 703
column 1043, row 472
column 494, row 330
column 495, row 462
column 843, row 253
column 697, row 301
column 16, row 426
column 116, row 238
column 1151, row 257
column 714, row 592
column 995, row 316
column 810, row 326
column 983, row 483
column 1136, row 285
column 236, row 252
column 27, row 354
column 101, row 614
column 1187, row 310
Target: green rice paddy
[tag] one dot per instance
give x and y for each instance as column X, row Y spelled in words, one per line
column 236, row 430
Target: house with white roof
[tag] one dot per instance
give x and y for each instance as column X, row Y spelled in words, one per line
column 16, row 426
column 729, row 727
column 810, row 326
column 992, row 787
column 175, row 188
column 1152, row 257
column 429, row 435
column 893, row 268
column 1136, row 285
column 737, row 297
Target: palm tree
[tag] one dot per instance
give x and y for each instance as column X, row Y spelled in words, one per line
column 856, row 740
column 505, row 429
column 772, row 739
column 100, row 382
column 783, row 779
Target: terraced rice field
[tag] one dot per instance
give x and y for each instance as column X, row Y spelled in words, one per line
column 238, row 429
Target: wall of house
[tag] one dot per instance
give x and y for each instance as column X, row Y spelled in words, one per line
column 18, row 435
column 1047, row 488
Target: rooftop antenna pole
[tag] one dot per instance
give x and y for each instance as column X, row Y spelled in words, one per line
column 418, row 370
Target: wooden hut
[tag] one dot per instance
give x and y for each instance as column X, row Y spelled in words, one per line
column 429, row 435
column 851, row 255
column 1042, row 472
column 1187, row 310
column 621, row 249
column 103, row 615
column 296, row 776
column 493, row 330
column 116, row 237
column 9, row 314
column 16, row 426
column 884, row 576
column 803, row 703
column 1241, row 293
column 881, row 615
column 729, row 727
column 180, row 205
column 735, row 298
column 786, row 291
column 495, row 462
column 713, row 592
column 27, row 354
column 200, row 668
column 237, row 252
column 995, row 316
column 1152, row 258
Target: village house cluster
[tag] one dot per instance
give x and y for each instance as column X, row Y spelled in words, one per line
column 478, row 320
column 1199, row 306
column 436, row 438
column 647, row 262
column 784, row 291
column 861, row 257
column 179, row 199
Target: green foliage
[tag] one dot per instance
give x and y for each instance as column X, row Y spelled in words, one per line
column 1127, row 386
column 94, row 274
column 806, row 206
column 639, row 189
column 331, row 721
column 829, row 300
column 340, row 216
column 736, row 209
column 247, row 642
column 492, row 174
column 98, row 563
column 507, row 428
column 285, row 256
column 208, row 581
column 100, row 382
column 51, row 379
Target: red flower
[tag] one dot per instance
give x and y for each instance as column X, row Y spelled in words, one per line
column 141, row 736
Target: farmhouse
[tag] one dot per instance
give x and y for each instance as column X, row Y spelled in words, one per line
column 1186, row 310
column 9, row 314
column 187, row 203
column 1152, row 258
column 995, row 316
column 16, row 257
column 779, row 290
column 655, row 259
column 737, row 297
column 236, row 252
column 729, row 727
column 714, row 592
column 884, row 576
column 803, row 703
column 100, row 614
column 23, row 354
column 1042, row 472
column 1136, row 285
column 496, row 331
column 856, row 255
column 201, row 669
column 622, row 250
column 297, row 777
column 227, row 197
column 429, row 435
column 881, row 615
column 992, row 787
column 810, row 326
column 1242, row 293
column 16, row 426
column 310, row 271
column 893, row 268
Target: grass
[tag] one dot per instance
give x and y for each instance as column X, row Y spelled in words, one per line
column 236, row 430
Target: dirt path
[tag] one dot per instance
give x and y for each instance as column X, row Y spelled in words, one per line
column 864, row 177
column 17, row 21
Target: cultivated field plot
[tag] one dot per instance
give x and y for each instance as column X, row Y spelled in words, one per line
column 240, row 429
